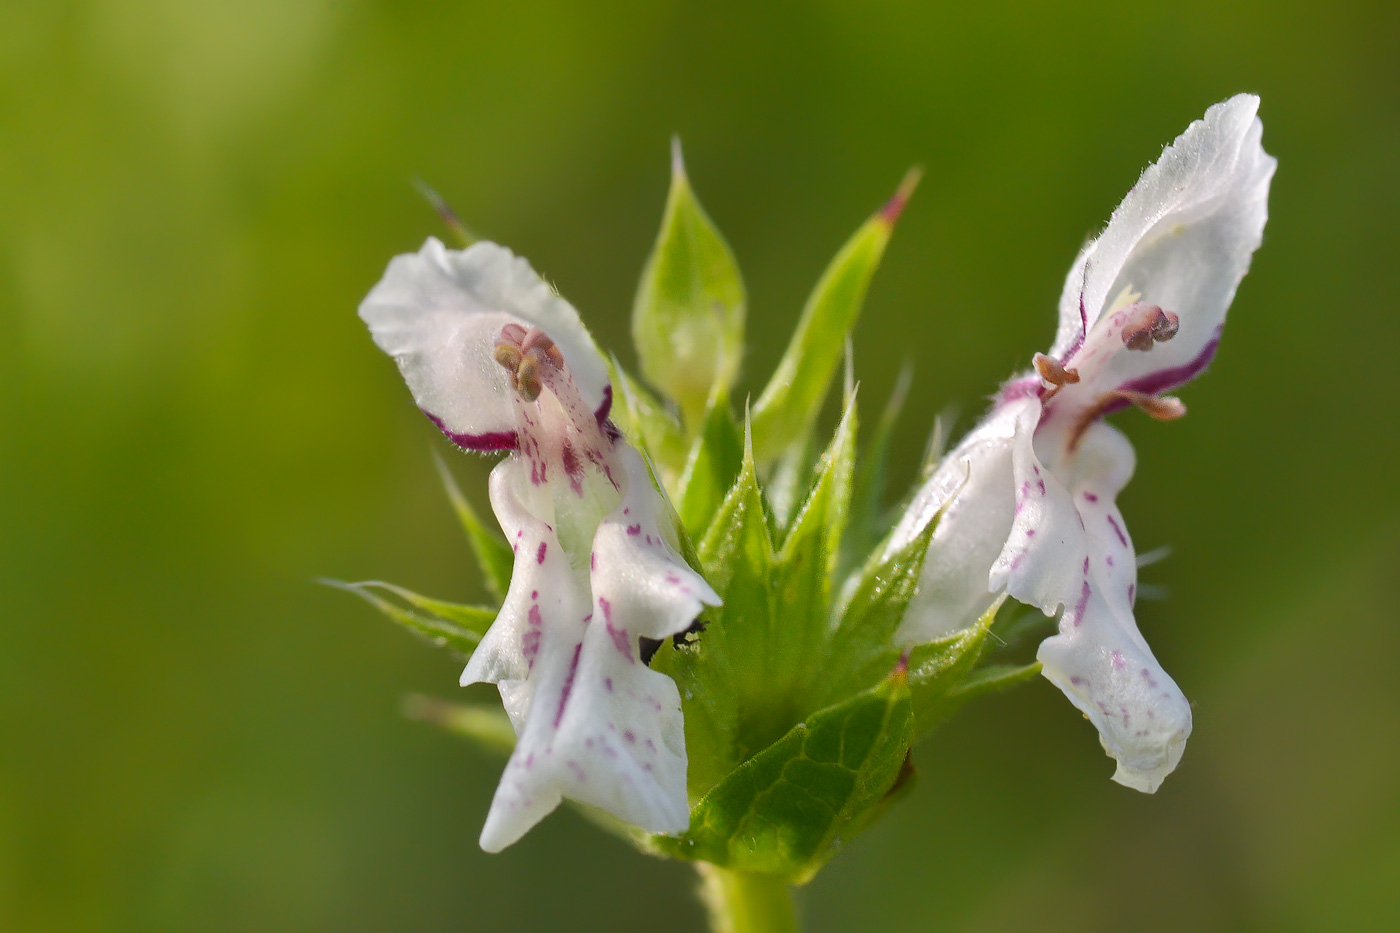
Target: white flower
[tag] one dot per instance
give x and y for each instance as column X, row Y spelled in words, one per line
column 1029, row 493
column 501, row 363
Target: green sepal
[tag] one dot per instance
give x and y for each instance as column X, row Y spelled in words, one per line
column 454, row 626
column 790, row 808
column 493, row 553
column 867, row 498
column 724, row 671
column 793, row 397
column 688, row 318
column 945, row 674
column 802, row 569
column 862, row 647
column 715, row 458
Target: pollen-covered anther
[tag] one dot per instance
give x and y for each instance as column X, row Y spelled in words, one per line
column 523, row 353
column 1148, row 325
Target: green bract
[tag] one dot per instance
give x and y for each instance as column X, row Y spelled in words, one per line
column 799, row 707
column 688, row 320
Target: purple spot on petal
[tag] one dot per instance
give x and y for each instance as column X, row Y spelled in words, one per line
column 629, row 736
column 634, row 530
column 572, row 466
column 539, row 555
column 620, row 641
column 1090, row 497
column 607, row 682
column 1076, row 680
column 604, row 407
column 606, row 607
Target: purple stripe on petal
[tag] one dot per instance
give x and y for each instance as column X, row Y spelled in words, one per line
column 490, row 442
column 568, row 685
column 1118, row 530
column 1163, row 380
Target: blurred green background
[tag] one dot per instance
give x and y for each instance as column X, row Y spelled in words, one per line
column 196, row 195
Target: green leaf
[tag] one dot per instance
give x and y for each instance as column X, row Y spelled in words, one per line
column 789, row 809
column 793, row 397
column 716, row 456
column 447, row 625
column 688, row 319
column 493, row 553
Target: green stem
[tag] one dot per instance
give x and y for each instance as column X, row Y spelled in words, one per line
column 744, row 903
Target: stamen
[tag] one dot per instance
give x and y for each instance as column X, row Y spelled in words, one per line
column 1148, row 325
column 523, row 353
column 1159, row 407
column 527, row 377
column 1052, row 372
column 508, row 355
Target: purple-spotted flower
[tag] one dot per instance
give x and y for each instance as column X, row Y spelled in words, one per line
column 1029, row 493
column 500, row 362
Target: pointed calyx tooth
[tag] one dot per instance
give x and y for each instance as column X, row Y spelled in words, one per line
column 1053, row 373
column 1148, row 325
column 895, row 205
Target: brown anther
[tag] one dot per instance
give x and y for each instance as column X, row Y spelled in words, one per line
column 1148, row 325
column 1166, row 327
column 538, row 341
column 1052, row 372
column 523, row 352
column 508, row 355
column 527, row 379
